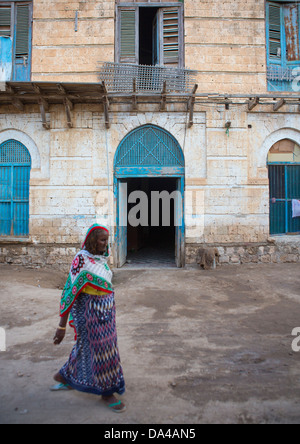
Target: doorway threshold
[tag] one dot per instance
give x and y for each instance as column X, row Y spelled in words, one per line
column 151, row 257
column 145, row 266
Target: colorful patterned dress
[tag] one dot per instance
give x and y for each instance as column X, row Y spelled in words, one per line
column 94, row 365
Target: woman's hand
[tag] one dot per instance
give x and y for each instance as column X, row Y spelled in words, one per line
column 59, row 336
column 61, row 331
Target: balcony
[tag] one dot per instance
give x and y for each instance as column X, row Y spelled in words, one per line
column 126, row 78
column 282, row 78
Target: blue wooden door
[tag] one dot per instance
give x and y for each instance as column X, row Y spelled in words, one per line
column 149, row 151
column 15, row 166
column 122, row 219
column 179, row 224
column 284, row 187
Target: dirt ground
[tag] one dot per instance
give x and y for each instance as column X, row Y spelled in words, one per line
column 196, row 347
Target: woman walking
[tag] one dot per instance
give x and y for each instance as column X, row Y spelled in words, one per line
column 88, row 302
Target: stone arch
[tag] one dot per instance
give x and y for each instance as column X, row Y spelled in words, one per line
column 149, row 145
column 27, row 141
column 276, row 136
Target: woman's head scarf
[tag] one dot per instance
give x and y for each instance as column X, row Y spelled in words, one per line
column 86, row 270
column 90, row 231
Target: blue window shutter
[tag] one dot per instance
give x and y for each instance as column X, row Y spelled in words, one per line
column 5, row 200
column 15, row 165
column 171, row 36
column 22, row 31
column 22, row 43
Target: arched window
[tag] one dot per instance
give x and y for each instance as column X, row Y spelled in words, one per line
column 15, row 165
column 149, row 146
column 284, row 177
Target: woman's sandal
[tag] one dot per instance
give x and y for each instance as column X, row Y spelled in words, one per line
column 60, row 387
column 115, row 404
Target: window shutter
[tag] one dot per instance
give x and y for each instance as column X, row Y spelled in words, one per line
column 291, row 22
column 275, row 36
column 22, row 30
column 5, row 22
column 172, row 36
column 128, row 35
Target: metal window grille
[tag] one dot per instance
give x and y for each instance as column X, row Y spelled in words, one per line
column 279, row 73
column 13, row 151
column 149, row 146
column 119, row 77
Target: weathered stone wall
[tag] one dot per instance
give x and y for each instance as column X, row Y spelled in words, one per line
column 274, row 251
column 227, row 197
column 224, row 40
column 61, row 54
column 60, row 256
column 38, row 256
column 227, row 189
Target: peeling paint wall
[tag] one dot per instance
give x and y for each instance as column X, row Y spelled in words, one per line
column 5, row 59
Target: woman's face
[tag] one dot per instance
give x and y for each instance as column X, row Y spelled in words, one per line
column 102, row 242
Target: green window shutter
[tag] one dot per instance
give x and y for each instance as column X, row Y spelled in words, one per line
column 171, row 36
column 128, row 38
column 22, row 30
column 275, row 33
column 5, row 21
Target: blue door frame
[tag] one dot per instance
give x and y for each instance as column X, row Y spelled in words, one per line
column 121, row 230
column 147, row 152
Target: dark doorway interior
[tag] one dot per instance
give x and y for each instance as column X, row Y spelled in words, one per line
column 152, row 245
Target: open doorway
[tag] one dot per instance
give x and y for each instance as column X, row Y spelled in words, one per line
column 152, row 245
column 149, row 159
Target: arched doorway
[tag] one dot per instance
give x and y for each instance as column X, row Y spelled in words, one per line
column 15, row 165
column 149, row 173
column 284, row 180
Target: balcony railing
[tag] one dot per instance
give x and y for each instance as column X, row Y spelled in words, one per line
column 282, row 74
column 123, row 78
column 283, row 78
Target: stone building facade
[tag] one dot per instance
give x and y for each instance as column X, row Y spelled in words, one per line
column 237, row 185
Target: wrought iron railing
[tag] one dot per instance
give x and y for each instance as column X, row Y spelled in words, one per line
column 282, row 74
column 124, row 78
